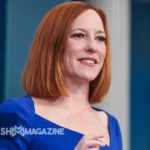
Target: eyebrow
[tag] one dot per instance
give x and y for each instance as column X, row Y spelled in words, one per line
column 99, row 31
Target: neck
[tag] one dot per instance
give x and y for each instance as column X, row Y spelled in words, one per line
column 78, row 97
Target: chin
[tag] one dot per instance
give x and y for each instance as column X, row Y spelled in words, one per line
column 89, row 78
column 83, row 77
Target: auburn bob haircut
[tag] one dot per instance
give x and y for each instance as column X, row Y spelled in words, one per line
column 44, row 74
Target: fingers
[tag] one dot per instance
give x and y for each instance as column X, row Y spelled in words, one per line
column 92, row 143
column 85, row 144
column 93, row 136
column 93, row 149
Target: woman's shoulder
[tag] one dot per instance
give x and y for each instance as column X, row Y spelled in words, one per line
column 109, row 119
column 21, row 107
column 106, row 114
column 15, row 118
column 113, row 124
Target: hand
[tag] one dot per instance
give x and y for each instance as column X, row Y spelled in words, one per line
column 90, row 142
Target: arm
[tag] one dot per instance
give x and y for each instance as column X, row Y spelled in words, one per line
column 10, row 116
column 119, row 135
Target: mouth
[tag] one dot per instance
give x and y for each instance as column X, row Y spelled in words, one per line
column 88, row 61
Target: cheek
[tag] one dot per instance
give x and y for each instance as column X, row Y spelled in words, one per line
column 71, row 52
column 103, row 52
column 68, row 56
column 74, row 46
column 71, row 48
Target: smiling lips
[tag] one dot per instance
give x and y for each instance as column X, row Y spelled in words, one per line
column 89, row 61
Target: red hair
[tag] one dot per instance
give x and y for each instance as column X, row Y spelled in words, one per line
column 44, row 74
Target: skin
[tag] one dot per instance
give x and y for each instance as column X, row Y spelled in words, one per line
column 86, row 38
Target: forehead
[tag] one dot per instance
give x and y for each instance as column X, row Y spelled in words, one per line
column 88, row 19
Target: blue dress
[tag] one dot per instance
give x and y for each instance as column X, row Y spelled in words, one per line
column 22, row 129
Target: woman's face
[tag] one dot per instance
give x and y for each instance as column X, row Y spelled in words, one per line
column 85, row 49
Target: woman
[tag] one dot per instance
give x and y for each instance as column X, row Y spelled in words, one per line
column 67, row 70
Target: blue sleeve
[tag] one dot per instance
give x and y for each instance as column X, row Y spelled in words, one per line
column 119, row 135
column 12, row 120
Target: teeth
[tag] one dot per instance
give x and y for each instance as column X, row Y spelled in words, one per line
column 89, row 61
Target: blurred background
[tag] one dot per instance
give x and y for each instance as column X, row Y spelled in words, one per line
column 129, row 25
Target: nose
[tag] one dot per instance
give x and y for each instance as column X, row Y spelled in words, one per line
column 91, row 46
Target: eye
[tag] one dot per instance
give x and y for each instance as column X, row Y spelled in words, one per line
column 101, row 38
column 78, row 35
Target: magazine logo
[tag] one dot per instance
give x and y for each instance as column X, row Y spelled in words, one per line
column 20, row 130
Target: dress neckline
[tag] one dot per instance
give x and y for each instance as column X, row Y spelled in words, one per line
column 73, row 131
